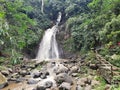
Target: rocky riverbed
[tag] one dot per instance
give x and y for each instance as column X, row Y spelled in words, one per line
column 48, row 75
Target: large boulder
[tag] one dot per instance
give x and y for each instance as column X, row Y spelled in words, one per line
column 61, row 69
column 63, row 77
column 65, row 86
column 3, row 81
column 74, row 69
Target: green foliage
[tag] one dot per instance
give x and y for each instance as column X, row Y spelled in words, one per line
column 103, row 6
column 99, row 27
column 102, row 83
column 104, row 51
column 95, row 4
column 91, row 57
column 111, row 31
column 91, row 23
column 114, row 87
column 15, row 58
column 68, row 45
column 116, row 8
column 1, row 60
column 19, row 24
column 115, row 60
column 17, row 29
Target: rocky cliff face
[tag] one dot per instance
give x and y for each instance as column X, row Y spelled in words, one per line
column 64, row 43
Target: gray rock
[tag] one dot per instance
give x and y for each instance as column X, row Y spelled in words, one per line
column 61, row 69
column 35, row 74
column 94, row 83
column 79, row 87
column 44, row 74
column 63, row 77
column 88, row 87
column 74, row 69
column 10, row 70
column 23, row 72
column 11, row 79
column 89, row 79
column 74, row 74
column 48, row 84
column 5, row 72
column 3, row 81
column 40, row 88
column 19, row 80
column 48, row 89
column 82, row 81
column 65, row 86
column 32, row 66
column 93, row 66
column 33, row 81
column 14, row 75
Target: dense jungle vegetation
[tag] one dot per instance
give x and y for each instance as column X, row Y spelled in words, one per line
column 89, row 24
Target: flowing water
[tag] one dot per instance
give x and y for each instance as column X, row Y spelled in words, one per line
column 48, row 48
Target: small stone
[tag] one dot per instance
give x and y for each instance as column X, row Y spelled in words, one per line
column 23, row 72
column 14, row 74
column 79, row 87
column 19, row 80
column 44, row 74
column 12, row 79
column 54, row 88
column 88, row 87
column 33, row 81
column 74, row 74
column 81, row 81
column 93, row 66
column 65, row 86
column 48, row 84
column 10, row 70
column 74, row 69
column 32, row 66
column 5, row 72
column 35, row 74
column 107, row 87
column 94, row 83
column 48, row 89
column 40, row 88
column 88, row 81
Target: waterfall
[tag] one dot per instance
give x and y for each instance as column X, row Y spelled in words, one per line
column 48, row 48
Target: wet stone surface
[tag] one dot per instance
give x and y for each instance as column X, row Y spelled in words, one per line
column 50, row 75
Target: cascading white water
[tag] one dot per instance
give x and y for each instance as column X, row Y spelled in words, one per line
column 48, row 48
